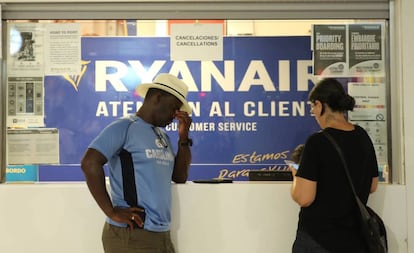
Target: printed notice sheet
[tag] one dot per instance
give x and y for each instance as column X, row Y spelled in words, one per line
column 62, row 49
column 25, row 49
column 197, row 42
column 366, row 50
column 25, row 102
column 329, row 50
column 369, row 101
column 370, row 113
column 33, row 146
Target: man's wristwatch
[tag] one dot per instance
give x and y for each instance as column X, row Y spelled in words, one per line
column 189, row 142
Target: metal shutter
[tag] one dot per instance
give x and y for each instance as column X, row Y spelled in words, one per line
column 207, row 9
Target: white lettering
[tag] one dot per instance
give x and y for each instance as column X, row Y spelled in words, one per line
column 256, row 68
column 284, row 75
column 114, row 105
column 209, row 70
column 113, row 74
column 180, row 68
column 285, row 108
column 237, row 126
column 101, row 109
column 196, row 108
column 304, row 75
column 118, row 71
column 215, row 109
column 112, row 108
column 127, row 108
column 147, row 75
column 195, row 126
column 161, row 154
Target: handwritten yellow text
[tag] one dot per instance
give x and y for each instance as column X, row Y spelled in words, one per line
column 257, row 158
column 16, row 170
column 226, row 173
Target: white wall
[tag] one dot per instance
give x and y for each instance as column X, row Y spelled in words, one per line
column 242, row 217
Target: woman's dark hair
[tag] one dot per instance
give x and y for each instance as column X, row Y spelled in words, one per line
column 330, row 91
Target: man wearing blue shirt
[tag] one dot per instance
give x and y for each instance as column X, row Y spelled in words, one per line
column 141, row 165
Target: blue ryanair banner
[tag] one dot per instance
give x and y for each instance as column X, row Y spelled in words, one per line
column 249, row 110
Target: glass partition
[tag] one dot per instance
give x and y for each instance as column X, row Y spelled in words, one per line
column 248, row 84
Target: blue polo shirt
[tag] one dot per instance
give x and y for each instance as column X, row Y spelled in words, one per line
column 153, row 161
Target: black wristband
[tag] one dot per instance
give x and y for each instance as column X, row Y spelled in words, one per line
column 189, row 143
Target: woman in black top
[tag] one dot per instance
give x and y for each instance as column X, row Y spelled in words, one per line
column 328, row 218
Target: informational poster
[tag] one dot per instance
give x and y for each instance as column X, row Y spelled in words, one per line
column 36, row 50
column 62, row 49
column 25, row 102
column 366, row 50
column 197, row 41
column 25, row 49
column 33, row 146
column 356, row 51
column 370, row 101
column 352, row 50
column 370, row 113
column 329, row 46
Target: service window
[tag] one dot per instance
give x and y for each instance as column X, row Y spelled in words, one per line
column 248, row 80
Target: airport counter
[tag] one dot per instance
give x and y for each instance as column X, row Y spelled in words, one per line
column 240, row 217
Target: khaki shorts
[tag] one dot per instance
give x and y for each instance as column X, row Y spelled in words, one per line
column 124, row 240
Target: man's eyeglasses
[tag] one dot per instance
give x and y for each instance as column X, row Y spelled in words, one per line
column 161, row 141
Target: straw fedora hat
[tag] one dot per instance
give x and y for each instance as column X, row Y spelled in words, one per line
column 170, row 84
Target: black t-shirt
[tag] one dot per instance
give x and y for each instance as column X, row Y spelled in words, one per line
column 331, row 219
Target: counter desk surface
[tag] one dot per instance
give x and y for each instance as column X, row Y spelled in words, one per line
column 236, row 217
